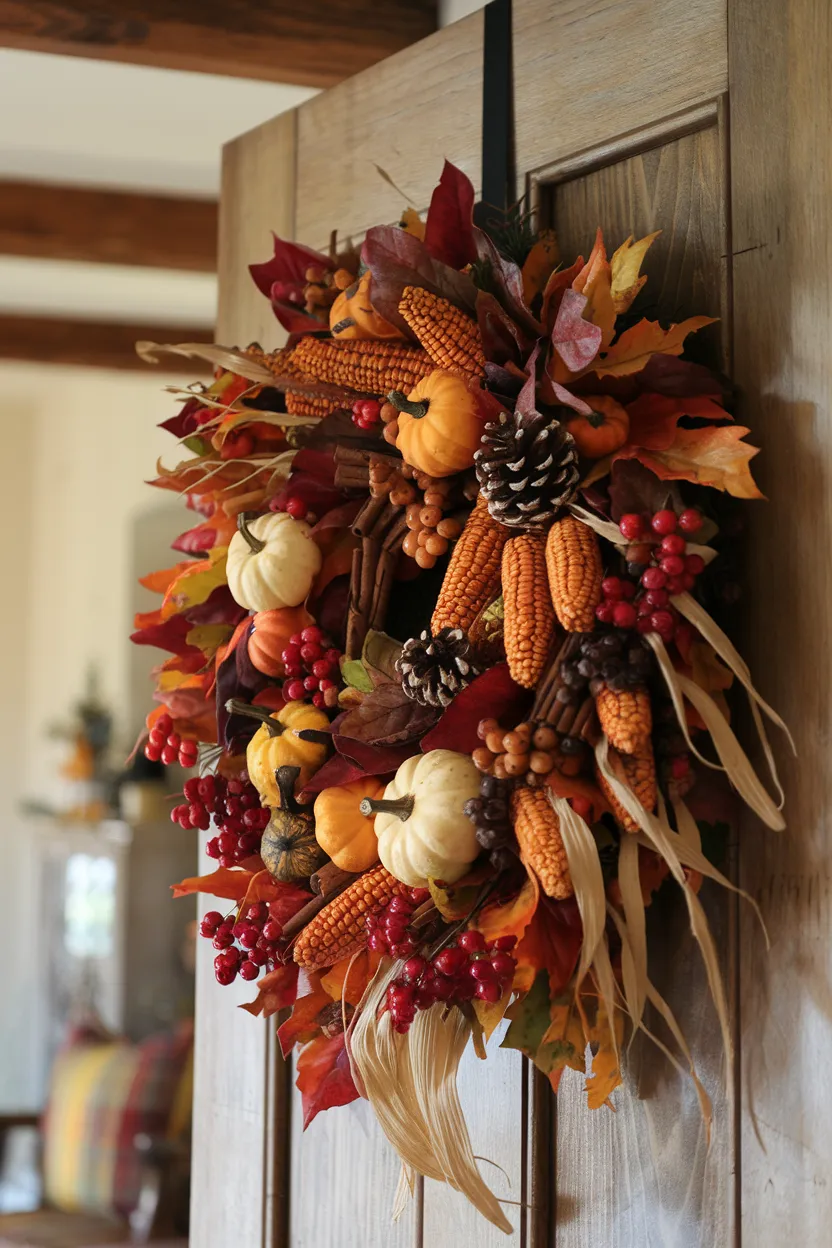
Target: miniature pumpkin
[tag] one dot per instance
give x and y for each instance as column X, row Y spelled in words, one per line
column 295, row 736
column 288, row 848
column 272, row 561
column 348, row 836
column 439, row 425
column 352, row 315
column 604, row 430
column 270, row 635
column 423, row 832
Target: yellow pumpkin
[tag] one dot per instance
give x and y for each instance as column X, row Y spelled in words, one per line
column 439, row 424
column 277, row 743
column 352, row 315
column 342, row 831
column 604, row 430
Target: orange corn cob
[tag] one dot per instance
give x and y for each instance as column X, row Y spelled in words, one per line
column 450, row 337
column 638, row 772
column 310, row 404
column 529, row 620
column 472, row 579
column 626, row 718
column 373, row 367
column 538, row 835
column 573, row 562
column 339, row 929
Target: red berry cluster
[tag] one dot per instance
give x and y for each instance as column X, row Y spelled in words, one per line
column 366, row 413
column 165, row 745
column 294, row 506
column 389, row 930
column 313, row 668
column 258, row 940
column 467, row 969
column 235, row 806
column 657, row 556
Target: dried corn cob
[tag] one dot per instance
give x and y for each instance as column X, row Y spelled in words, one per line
column 310, row 404
column 472, row 579
column 626, row 718
column 638, row 772
column 339, row 929
column 450, row 337
column 573, row 562
column 280, row 363
column 529, row 620
column 538, row 835
column 373, row 367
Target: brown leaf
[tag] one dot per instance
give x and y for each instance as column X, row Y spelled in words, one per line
column 387, row 716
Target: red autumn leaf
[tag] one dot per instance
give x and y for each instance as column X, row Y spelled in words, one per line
column 324, row 1078
column 218, row 608
column 494, row 693
column 272, row 697
column 576, row 786
column 302, row 1024
column 197, row 540
column 552, row 942
column 374, row 760
column 225, row 882
column 502, row 339
column 335, row 772
column 575, row 340
column 717, row 457
column 320, row 464
column 284, row 899
column 654, row 417
column 449, row 233
column 275, row 991
column 282, row 280
column 170, row 634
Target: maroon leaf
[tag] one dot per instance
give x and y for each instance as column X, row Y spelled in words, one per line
column 492, row 695
column 634, row 488
column 339, row 517
column 195, row 541
column 397, row 259
column 320, row 464
column 507, row 282
column 576, row 341
column 338, row 428
column 282, row 280
column 275, row 991
column 502, row 338
column 374, row 760
column 335, row 771
column 387, row 716
column 170, row 635
column 449, row 234
column 332, row 607
column 319, row 496
column 324, row 1076
column 218, row 608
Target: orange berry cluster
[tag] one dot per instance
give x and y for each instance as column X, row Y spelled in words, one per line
column 323, row 288
column 526, row 750
column 390, row 419
column 431, row 532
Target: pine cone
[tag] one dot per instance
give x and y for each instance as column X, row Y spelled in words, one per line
column 527, row 467
column 435, row 669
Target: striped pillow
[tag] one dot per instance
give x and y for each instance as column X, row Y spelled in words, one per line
column 101, row 1096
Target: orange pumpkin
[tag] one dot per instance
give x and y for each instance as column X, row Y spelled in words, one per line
column 604, row 430
column 341, row 830
column 439, row 424
column 270, row 636
column 352, row 315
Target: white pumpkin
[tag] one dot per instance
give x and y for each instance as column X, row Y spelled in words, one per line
column 422, row 829
column 272, row 561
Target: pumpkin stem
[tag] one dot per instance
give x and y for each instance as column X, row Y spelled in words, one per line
column 402, row 807
column 347, row 323
column 403, row 404
column 255, row 545
column 596, row 419
column 235, row 707
column 315, row 736
column 285, row 778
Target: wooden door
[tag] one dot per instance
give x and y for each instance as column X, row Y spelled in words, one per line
column 626, row 116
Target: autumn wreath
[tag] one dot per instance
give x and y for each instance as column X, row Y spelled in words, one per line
column 444, row 652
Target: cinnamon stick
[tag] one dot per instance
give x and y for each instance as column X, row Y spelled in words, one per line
column 365, row 521
column 383, row 588
column 330, row 880
column 353, row 642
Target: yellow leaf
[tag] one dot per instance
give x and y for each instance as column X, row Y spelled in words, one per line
column 626, row 266
column 174, row 679
column 567, row 1032
column 412, row 223
column 490, row 1014
column 633, row 349
column 196, row 583
column 709, row 672
column 606, row 1071
column 209, row 637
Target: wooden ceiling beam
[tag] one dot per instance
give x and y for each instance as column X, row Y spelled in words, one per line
column 316, row 43
column 54, row 340
column 107, row 227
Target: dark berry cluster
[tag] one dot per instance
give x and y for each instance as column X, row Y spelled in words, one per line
column 236, row 810
column 389, row 931
column 366, row 413
column 245, row 944
column 313, row 668
column 616, row 659
column 468, row 969
column 167, row 746
column 657, row 557
column 490, row 816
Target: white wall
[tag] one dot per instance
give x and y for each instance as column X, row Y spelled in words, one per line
column 77, row 447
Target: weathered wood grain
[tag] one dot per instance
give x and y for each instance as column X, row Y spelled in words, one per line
column 315, row 44
column 781, row 117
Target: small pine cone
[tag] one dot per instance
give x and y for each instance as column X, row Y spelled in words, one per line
column 527, row 467
column 472, row 579
column 575, row 570
column 638, row 772
column 529, row 620
column 435, row 669
column 626, row 718
column 340, row 929
column 537, row 829
column 450, row 337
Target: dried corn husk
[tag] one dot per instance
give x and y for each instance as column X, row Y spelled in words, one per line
column 587, row 878
column 632, row 900
column 410, row 1081
column 221, row 357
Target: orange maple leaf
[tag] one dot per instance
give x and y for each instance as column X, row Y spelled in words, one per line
column 710, row 456
column 634, row 348
column 594, row 281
